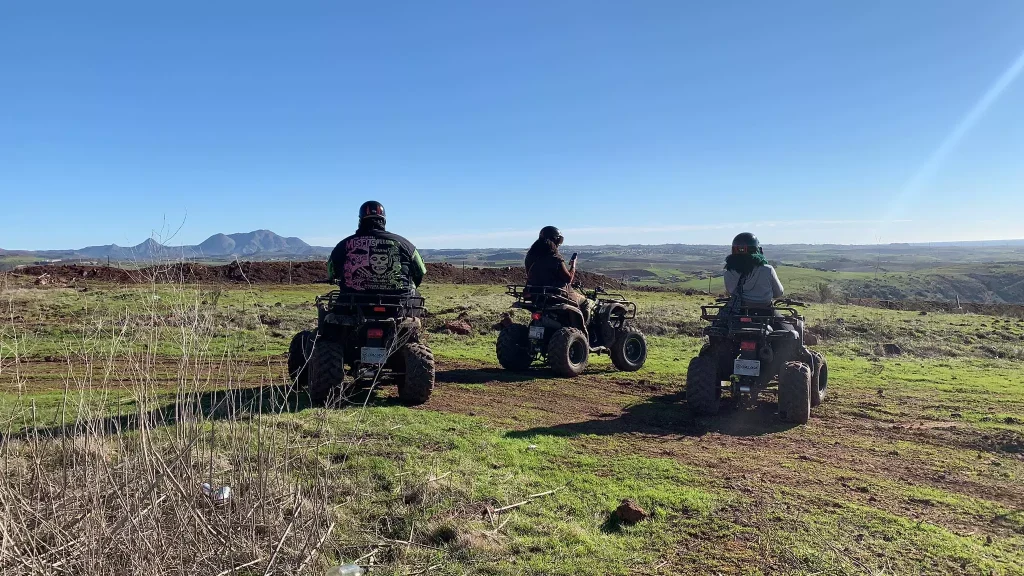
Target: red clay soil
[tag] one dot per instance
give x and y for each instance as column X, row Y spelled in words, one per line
column 276, row 273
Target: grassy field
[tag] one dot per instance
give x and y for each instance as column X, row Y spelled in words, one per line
column 118, row 402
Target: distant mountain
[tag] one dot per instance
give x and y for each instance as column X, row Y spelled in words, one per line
column 247, row 243
column 258, row 243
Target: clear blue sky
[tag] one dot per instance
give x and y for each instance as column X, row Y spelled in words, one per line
column 476, row 123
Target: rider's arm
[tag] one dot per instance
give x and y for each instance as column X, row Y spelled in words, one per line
column 777, row 290
column 562, row 272
column 417, row 268
column 330, row 270
column 730, row 278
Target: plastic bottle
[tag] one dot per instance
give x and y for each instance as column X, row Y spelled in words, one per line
column 346, row 570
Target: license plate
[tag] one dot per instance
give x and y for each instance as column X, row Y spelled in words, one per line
column 373, row 355
column 536, row 332
column 746, row 367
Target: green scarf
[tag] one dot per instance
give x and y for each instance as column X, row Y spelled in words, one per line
column 744, row 263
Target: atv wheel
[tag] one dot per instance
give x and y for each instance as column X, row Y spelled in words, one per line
column 723, row 356
column 418, row 383
column 568, row 352
column 703, row 388
column 298, row 356
column 819, row 380
column 326, row 371
column 513, row 348
column 795, row 393
column 629, row 352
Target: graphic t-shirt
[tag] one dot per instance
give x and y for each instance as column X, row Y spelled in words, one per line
column 376, row 261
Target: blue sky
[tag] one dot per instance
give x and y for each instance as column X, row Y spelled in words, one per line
column 476, row 123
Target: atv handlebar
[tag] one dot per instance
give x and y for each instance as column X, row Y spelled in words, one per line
column 788, row 302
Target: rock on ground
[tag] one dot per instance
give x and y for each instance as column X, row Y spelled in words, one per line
column 629, row 512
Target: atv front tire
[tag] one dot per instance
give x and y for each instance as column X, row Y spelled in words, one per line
column 819, row 380
column 795, row 393
column 568, row 352
column 418, row 383
column 298, row 357
column 703, row 388
column 513, row 348
column 629, row 351
column 326, row 371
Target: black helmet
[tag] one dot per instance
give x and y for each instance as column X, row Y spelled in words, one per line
column 372, row 210
column 551, row 233
column 746, row 243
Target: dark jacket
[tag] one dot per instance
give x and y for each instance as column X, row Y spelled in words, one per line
column 545, row 266
column 373, row 260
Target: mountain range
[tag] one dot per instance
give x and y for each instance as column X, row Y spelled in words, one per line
column 260, row 243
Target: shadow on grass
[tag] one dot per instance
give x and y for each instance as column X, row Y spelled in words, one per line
column 667, row 416
column 232, row 404
column 495, row 374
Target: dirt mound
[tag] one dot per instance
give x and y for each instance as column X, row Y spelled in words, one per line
column 445, row 273
column 241, row 272
column 1012, row 310
column 277, row 273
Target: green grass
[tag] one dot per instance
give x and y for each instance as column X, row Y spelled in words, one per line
column 911, row 466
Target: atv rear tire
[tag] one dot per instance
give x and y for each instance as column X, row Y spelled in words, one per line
column 418, row 383
column 298, row 357
column 819, row 380
column 723, row 355
column 795, row 393
column 326, row 371
column 629, row 351
column 703, row 388
column 513, row 348
column 568, row 352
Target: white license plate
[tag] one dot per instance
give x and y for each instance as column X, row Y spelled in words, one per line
column 536, row 332
column 373, row 355
column 746, row 367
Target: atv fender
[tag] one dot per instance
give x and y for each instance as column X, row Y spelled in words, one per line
column 606, row 327
column 574, row 316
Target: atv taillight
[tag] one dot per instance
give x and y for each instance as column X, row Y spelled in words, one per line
column 374, row 333
column 748, row 345
column 379, row 309
column 536, row 315
column 746, row 319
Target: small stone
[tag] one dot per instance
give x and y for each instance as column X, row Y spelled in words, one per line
column 891, row 349
column 460, row 327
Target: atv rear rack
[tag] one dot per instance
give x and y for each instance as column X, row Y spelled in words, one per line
column 395, row 304
column 710, row 312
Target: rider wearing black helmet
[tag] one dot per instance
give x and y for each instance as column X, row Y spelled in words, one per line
column 373, row 260
column 760, row 283
column 546, row 267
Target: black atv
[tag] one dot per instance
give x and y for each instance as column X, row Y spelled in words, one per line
column 376, row 336
column 558, row 333
column 749, row 348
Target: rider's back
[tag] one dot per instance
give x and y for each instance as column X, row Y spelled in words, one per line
column 376, row 261
column 545, row 267
column 760, row 287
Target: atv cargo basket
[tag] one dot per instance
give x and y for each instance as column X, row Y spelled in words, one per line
column 371, row 305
